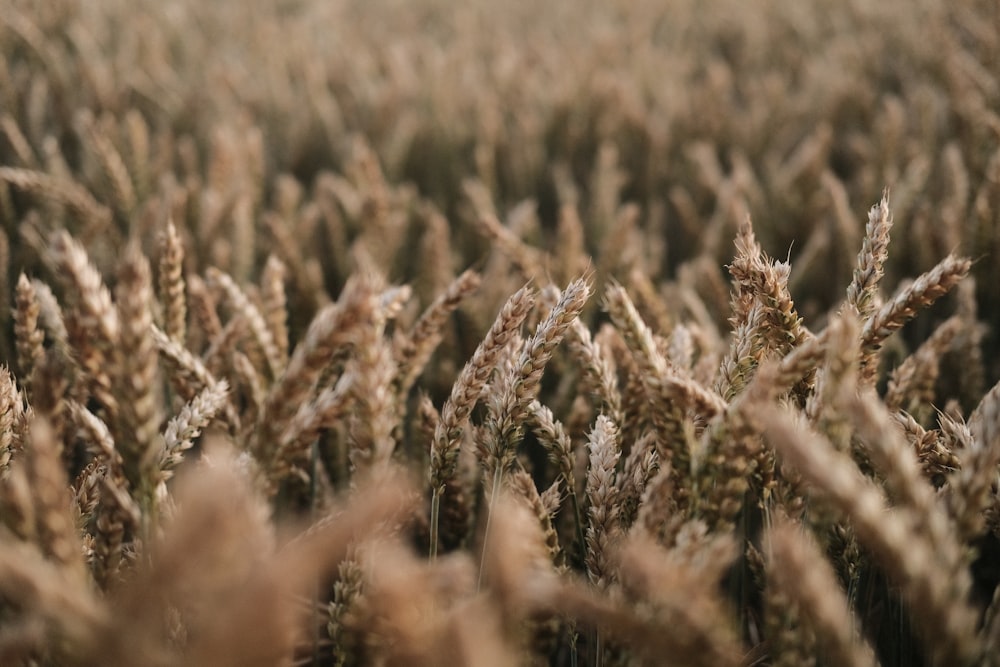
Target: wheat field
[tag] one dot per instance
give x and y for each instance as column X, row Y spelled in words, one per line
column 595, row 333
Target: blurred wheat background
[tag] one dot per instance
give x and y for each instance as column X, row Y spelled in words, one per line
column 432, row 333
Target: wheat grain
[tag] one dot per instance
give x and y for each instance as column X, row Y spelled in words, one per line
column 509, row 403
column 171, row 284
column 28, row 336
column 332, row 329
column 11, row 413
column 970, row 486
column 253, row 318
column 666, row 415
column 187, row 425
column 275, row 304
column 939, row 606
column 924, row 291
column 412, row 355
column 522, row 484
column 913, row 380
column 309, row 150
column 640, row 466
column 797, row 567
column 135, row 383
column 469, row 386
column 605, row 450
column 93, row 323
column 862, row 293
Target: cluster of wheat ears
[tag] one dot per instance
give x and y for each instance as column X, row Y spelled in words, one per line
column 398, row 333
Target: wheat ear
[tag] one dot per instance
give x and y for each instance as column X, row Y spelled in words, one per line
column 92, row 319
column 862, row 293
column 29, row 338
column 135, row 382
column 602, row 528
column 332, row 330
column 253, row 317
column 414, row 351
column 171, row 284
column 938, row 605
column 799, row 569
column 466, row 392
column 924, row 291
